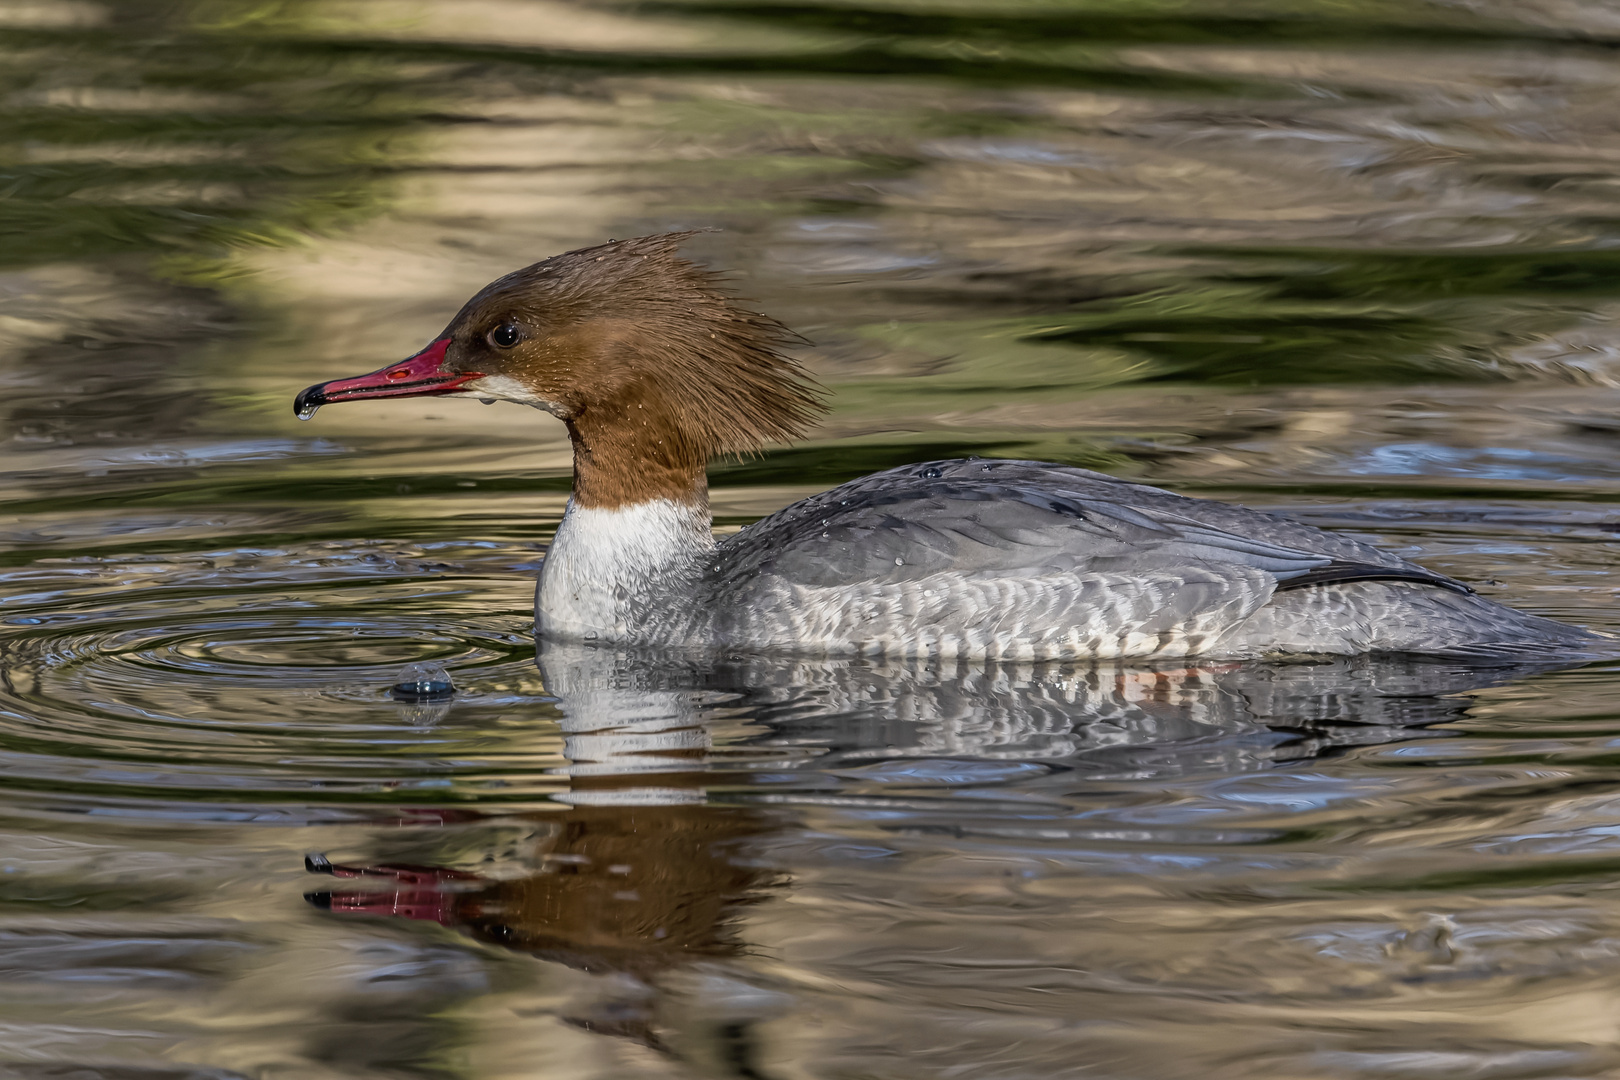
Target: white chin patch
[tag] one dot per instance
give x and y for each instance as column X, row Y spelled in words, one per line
column 506, row 388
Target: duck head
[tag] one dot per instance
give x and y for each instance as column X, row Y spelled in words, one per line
column 651, row 364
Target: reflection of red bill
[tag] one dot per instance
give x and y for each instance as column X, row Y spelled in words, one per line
column 424, row 895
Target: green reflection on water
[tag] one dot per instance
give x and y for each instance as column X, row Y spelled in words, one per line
column 1125, row 22
column 981, row 293
column 188, row 138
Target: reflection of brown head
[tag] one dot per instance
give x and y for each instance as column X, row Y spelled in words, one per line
column 627, row 888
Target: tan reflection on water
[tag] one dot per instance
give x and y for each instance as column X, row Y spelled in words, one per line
column 1142, row 257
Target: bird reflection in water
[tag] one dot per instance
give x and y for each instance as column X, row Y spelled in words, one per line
column 632, row 888
column 644, row 874
column 639, row 875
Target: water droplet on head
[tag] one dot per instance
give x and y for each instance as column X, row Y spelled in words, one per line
column 308, row 412
column 422, row 682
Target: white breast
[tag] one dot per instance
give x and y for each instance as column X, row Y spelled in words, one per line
column 606, row 566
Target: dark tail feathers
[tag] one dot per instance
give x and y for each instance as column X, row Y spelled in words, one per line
column 1335, row 573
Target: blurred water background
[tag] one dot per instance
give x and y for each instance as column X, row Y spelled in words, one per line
column 1355, row 260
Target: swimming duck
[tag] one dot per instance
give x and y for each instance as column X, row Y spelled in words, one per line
column 655, row 370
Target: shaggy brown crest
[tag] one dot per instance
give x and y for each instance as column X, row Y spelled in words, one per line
column 651, row 363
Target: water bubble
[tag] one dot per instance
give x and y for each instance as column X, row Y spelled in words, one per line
column 423, row 682
column 486, row 401
column 308, row 412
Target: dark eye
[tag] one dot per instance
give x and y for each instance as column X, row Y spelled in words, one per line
column 505, row 335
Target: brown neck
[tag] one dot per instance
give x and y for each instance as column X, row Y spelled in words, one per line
column 631, row 451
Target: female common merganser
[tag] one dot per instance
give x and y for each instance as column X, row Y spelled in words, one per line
column 655, row 370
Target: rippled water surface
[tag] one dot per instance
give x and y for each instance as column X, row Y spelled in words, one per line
column 1356, row 261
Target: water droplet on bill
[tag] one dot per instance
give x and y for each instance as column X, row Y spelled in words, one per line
column 308, row 412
